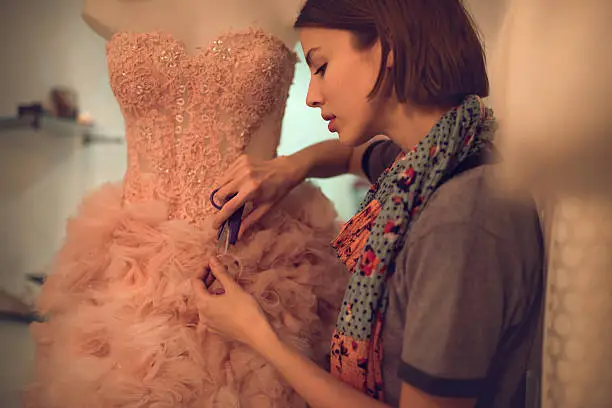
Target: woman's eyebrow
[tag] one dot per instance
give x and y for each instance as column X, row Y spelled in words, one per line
column 309, row 55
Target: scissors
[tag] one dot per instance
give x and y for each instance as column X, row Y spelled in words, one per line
column 228, row 231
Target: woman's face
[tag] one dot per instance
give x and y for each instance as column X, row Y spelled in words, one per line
column 342, row 76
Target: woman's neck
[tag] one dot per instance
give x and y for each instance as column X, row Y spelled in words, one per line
column 409, row 124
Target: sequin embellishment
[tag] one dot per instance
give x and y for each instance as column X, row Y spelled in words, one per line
column 188, row 117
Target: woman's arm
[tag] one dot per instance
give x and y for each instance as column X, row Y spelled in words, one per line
column 318, row 387
column 322, row 160
column 330, row 159
column 264, row 183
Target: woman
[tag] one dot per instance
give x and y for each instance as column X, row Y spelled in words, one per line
column 446, row 275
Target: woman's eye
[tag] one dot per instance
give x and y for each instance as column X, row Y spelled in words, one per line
column 321, row 70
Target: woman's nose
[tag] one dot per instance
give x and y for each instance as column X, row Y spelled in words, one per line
column 313, row 98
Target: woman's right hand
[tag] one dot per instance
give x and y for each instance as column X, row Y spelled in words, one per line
column 260, row 183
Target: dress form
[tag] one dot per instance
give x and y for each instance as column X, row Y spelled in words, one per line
column 195, row 24
column 552, row 89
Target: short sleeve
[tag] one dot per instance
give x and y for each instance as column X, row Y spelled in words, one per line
column 378, row 157
column 455, row 311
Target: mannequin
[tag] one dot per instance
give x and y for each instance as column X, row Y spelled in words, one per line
column 195, row 23
column 199, row 83
column 552, row 93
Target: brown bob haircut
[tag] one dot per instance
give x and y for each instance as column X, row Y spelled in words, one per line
column 439, row 57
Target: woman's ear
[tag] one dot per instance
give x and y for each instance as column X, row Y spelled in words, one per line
column 377, row 48
column 390, row 59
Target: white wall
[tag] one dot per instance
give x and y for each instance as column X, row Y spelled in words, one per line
column 42, row 178
column 488, row 15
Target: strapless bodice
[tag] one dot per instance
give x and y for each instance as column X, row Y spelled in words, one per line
column 188, row 117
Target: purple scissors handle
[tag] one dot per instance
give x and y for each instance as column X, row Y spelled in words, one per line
column 232, row 223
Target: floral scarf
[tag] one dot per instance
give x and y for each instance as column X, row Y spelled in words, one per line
column 370, row 241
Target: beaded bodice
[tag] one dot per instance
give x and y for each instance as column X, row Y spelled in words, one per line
column 188, row 117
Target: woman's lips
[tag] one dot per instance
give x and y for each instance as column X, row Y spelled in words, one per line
column 332, row 125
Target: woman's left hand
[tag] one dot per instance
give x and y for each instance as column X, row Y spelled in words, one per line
column 233, row 313
column 237, row 315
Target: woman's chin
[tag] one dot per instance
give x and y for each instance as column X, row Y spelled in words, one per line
column 349, row 139
column 345, row 141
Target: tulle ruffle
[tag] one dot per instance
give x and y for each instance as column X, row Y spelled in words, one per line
column 122, row 328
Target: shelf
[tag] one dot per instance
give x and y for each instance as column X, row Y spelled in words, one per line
column 36, row 278
column 13, row 309
column 26, row 318
column 56, row 127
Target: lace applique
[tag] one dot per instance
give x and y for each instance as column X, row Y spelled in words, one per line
column 188, row 117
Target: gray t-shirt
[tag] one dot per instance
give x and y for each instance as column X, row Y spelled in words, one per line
column 465, row 299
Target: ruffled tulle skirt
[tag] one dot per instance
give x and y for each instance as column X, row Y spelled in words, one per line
column 121, row 325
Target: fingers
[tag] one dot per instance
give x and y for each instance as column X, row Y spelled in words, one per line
column 233, row 171
column 233, row 187
column 205, row 276
column 219, row 272
column 228, row 209
column 204, row 281
column 254, row 217
column 235, row 177
column 209, row 279
column 199, row 288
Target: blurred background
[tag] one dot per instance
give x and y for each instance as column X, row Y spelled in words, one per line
column 51, row 60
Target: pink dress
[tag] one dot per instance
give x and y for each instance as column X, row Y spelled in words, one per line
column 122, row 328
